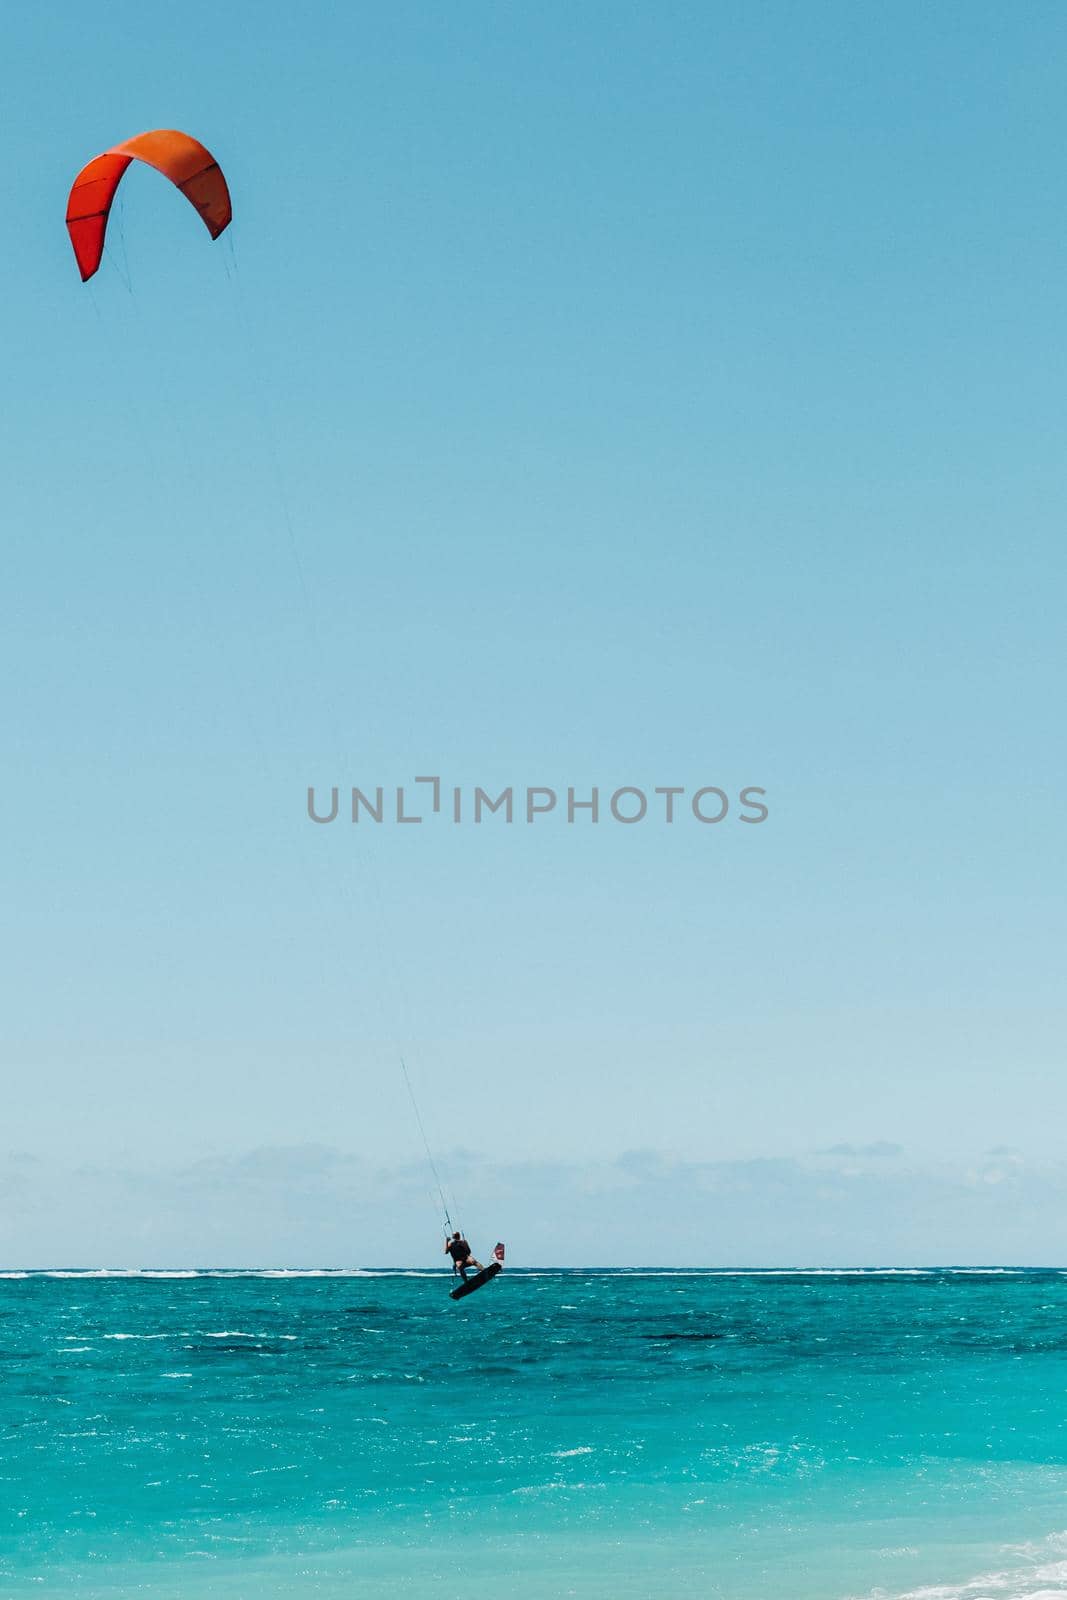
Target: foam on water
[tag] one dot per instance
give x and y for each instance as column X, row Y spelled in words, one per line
column 529, row 1272
column 1031, row 1572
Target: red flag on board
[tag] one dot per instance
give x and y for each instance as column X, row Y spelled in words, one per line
column 498, row 1253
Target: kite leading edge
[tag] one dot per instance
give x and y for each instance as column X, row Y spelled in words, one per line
column 182, row 159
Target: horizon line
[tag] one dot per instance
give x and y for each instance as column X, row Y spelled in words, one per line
column 286, row 1270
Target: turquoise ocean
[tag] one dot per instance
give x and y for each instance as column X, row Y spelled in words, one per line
column 797, row 1435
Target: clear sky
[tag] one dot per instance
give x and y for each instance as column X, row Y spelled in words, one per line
column 607, row 394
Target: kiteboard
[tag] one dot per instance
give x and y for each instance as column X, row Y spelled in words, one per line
column 478, row 1280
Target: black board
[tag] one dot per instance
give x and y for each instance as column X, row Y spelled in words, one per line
column 476, row 1282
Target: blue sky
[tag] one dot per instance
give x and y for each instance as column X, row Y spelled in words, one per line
column 602, row 395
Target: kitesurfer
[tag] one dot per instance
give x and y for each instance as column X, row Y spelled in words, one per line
column 460, row 1251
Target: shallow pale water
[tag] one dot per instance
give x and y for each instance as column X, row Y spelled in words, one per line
column 729, row 1436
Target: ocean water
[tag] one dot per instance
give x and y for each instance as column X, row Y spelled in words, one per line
column 717, row 1436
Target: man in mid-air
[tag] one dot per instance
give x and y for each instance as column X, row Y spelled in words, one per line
column 460, row 1251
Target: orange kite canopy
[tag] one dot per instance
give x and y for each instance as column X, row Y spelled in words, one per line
column 181, row 159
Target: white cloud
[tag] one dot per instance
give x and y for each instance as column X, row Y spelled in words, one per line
column 878, row 1149
column 310, row 1204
